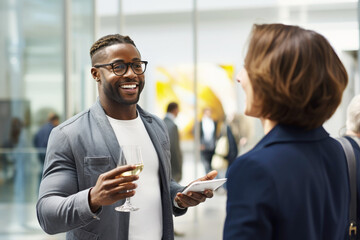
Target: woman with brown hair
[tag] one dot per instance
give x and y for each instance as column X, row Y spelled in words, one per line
column 293, row 184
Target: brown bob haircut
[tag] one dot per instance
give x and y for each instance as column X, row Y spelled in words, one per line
column 296, row 75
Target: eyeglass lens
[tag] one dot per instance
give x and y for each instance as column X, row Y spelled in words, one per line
column 121, row 68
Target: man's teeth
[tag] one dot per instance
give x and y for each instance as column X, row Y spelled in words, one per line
column 129, row 86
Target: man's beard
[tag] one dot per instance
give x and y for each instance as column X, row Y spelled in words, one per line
column 115, row 95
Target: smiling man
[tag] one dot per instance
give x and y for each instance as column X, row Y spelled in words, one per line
column 81, row 182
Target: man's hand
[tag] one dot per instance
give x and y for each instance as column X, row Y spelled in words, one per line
column 194, row 198
column 112, row 187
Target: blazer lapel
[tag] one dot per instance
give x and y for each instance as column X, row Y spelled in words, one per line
column 148, row 122
column 106, row 130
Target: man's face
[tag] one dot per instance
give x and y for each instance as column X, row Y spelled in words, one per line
column 176, row 112
column 123, row 89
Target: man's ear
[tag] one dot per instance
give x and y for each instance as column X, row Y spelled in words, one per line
column 95, row 74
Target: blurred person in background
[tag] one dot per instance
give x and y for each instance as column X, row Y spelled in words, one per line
column 42, row 136
column 353, row 117
column 82, row 183
column 242, row 128
column 11, row 142
column 208, row 137
column 176, row 156
column 226, row 151
column 176, row 160
column 294, row 183
column 353, row 135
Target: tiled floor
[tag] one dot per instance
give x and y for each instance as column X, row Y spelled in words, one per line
column 18, row 217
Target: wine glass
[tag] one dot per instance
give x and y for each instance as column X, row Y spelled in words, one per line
column 130, row 155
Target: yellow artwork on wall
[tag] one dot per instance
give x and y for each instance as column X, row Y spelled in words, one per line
column 216, row 89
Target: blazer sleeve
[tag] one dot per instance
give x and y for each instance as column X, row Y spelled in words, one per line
column 251, row 202
column 61, row 206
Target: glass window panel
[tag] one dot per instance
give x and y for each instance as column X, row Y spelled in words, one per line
column 32, row 80
column 83, row 86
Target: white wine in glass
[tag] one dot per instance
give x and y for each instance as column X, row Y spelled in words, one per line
column 130, row 155
column 136, row 171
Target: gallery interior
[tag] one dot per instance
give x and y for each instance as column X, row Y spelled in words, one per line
column 194, row 48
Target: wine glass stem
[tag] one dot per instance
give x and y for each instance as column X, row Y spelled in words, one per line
column 127, row 201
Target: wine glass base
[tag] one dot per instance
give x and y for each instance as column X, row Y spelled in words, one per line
column 126, row 208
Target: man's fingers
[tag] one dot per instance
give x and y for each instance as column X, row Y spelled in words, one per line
column 120, row 180
column 197, row 196
column 190, row 199
column 209, row 193
column 185, row 201
column 122, row 195
column 209, row 176
column 122, row 188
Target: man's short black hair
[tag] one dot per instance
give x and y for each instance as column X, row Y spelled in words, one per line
column 109, row 40
column 172, row 106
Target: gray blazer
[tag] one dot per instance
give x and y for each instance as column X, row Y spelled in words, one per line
column 79, row 150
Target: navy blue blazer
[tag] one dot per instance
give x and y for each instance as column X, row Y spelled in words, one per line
column 292, row 185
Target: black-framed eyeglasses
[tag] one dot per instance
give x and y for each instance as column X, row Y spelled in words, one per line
column 120, row 68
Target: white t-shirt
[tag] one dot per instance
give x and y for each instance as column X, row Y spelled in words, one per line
column 145, row 223
column 208, row 127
